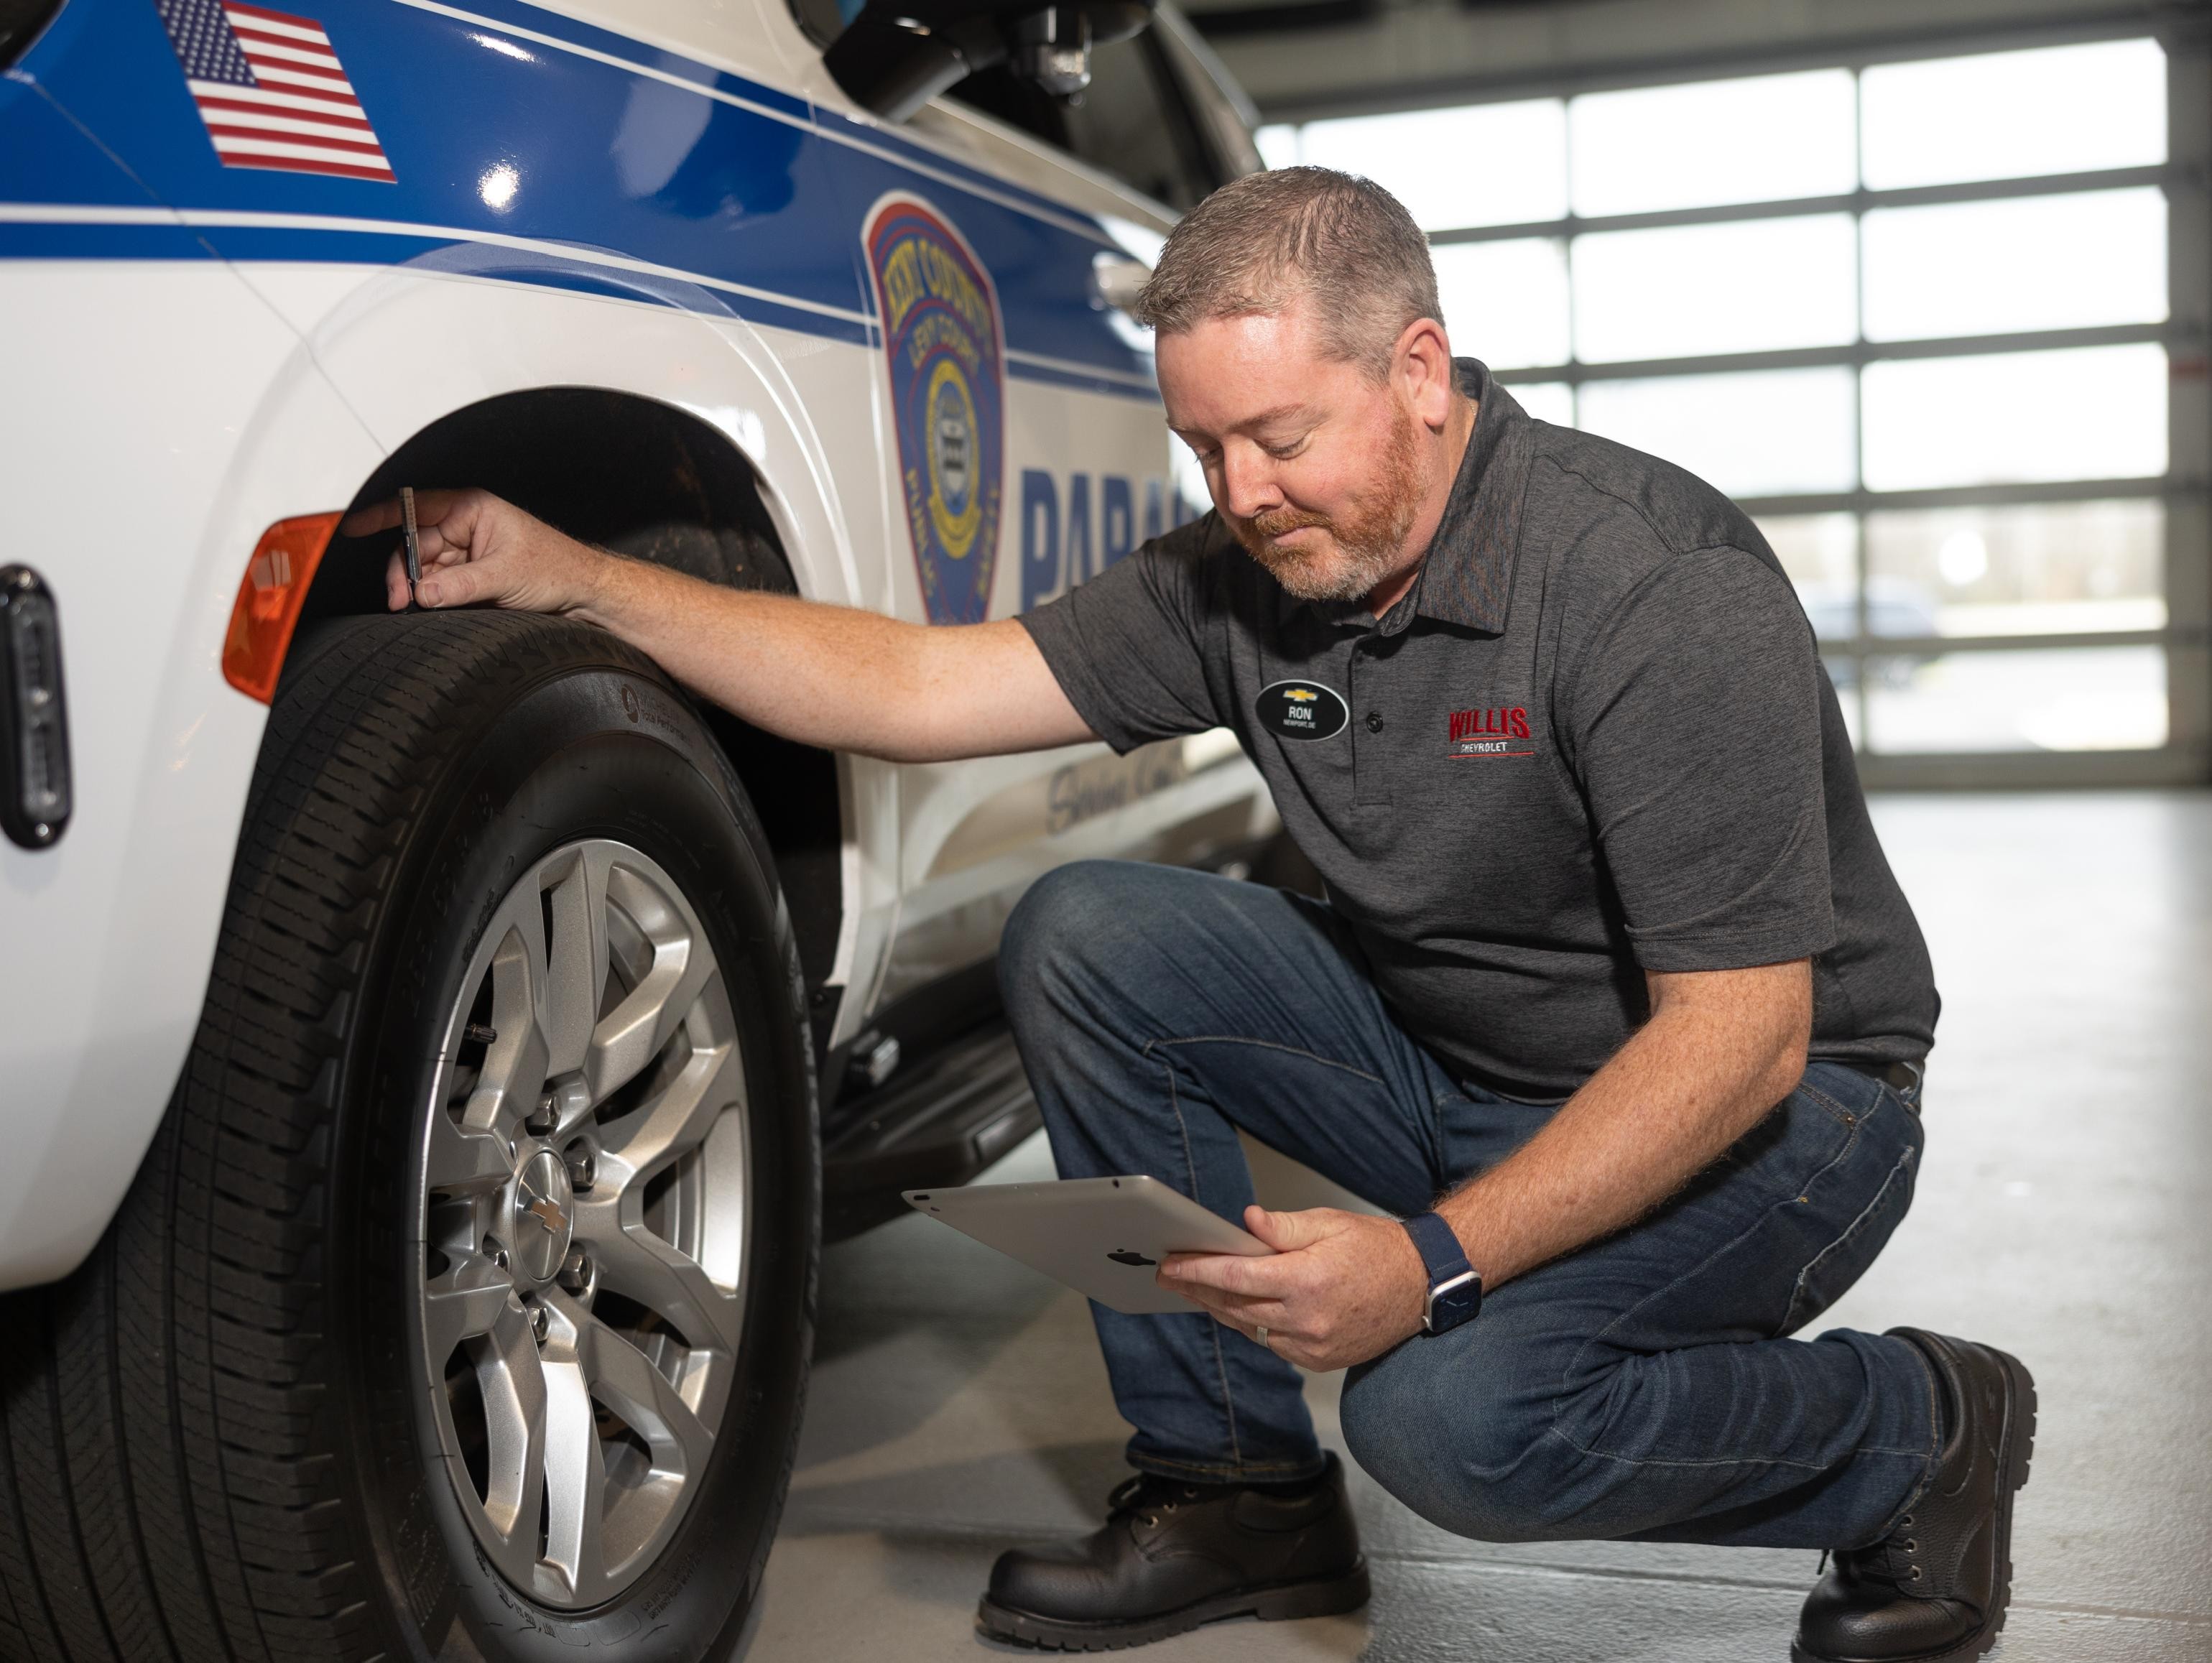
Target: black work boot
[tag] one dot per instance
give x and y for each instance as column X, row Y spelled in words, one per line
column 1935, row 1588
column 1172, row 1555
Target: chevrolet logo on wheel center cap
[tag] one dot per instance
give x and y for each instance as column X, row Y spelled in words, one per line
column 542, row 1216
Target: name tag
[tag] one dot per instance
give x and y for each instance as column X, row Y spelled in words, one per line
column 1301, row 710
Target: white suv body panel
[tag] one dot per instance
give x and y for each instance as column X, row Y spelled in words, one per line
column 267, row 355
column 221, row 425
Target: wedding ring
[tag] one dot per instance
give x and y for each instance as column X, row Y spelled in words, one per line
column 1260, row 1334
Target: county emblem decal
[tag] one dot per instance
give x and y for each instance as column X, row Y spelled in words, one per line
column 942, row 337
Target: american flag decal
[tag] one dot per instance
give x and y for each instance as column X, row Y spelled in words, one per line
column 272, row 90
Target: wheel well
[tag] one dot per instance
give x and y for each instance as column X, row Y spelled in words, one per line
column 650, row 482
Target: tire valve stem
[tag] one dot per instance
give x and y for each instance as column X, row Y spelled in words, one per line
column 480, row 1035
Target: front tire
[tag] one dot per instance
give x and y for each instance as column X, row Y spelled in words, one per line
column 463, row 1302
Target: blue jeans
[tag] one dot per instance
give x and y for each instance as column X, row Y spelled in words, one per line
column 1643, row 1387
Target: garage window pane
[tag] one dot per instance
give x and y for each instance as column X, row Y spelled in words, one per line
column 1763, row 433
column 2088, row 413
column 2042, row 568
column 1547, row 401
column 1505, row 302
column 1484, row 164
column 1990, row 268
column 1685, row 290
column 1820, row 554
column 2087, row 698
column 1766, row 139
column 2014, row 115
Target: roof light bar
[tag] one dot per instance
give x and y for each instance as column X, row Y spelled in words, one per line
column 34, row 759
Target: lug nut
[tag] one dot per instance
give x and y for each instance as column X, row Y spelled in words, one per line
column 576, row 1274
column 540, row 1320
column 545, row 1117
column 583, row 1166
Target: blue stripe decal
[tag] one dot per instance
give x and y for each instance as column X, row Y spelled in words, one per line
column 45, row 156
column 597, row 145
column 840, row 129
column 76, row 241
column 830, row 124
column 154, row 239
column 1051, row 376
column 556, row 26
column 544, row 266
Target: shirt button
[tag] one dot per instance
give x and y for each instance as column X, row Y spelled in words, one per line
column 1374, row 721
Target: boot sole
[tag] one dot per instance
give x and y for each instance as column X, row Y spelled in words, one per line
column 1282, row 1602
column 2019, row 1436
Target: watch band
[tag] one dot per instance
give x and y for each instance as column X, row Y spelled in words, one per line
column 1455, row 1290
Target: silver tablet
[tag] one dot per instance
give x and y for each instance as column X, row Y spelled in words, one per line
column 1102, row 1236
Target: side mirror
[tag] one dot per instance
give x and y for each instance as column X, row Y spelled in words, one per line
column 899, row 54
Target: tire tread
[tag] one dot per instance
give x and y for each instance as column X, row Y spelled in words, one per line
column 168, row 1494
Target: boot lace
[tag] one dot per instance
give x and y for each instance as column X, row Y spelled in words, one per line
column 1148, row 1496
column 1894, row 1560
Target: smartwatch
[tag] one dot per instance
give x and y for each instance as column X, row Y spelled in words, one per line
column 1455, row 1290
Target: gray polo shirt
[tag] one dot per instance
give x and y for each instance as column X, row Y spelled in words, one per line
column 1595, row 739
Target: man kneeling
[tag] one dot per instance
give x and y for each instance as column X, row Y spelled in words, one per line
column 1613, row 1004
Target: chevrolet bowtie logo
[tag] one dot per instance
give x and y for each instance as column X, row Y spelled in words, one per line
column 549, row 1215
column 535, row 1200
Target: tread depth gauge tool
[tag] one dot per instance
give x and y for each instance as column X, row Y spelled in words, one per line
column 414, row 545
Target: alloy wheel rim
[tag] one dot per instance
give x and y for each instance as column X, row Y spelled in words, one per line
column 583, row 1200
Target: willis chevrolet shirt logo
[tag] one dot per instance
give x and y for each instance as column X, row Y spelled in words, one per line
column 1499, row 730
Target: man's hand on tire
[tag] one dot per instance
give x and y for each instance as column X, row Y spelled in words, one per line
column 479, row 550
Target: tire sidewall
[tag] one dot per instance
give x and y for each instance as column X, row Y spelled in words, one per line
column 591, row 749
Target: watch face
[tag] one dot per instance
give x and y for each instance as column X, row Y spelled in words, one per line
column 1453, row 1303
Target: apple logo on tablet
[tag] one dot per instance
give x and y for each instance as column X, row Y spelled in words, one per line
column 1123, row 1256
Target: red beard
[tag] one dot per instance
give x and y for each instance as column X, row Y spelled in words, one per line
column 1369, row 538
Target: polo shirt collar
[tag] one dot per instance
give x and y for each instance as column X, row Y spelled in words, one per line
column 1466, row 576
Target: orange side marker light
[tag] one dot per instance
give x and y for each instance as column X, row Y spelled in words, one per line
column 270, row 597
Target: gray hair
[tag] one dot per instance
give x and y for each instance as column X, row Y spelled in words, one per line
column 1267, row 239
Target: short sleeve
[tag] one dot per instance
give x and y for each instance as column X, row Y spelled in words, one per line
column 1695, row 714
column 1129, row 646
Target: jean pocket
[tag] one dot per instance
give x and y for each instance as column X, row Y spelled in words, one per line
column 1844, row 1095
column 1831, row 1271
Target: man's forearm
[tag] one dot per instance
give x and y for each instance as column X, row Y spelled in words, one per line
column 782, row 664
column 832, row 675
column 1687, row 1085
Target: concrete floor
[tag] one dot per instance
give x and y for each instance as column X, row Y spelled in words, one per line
column 2065, row 1212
